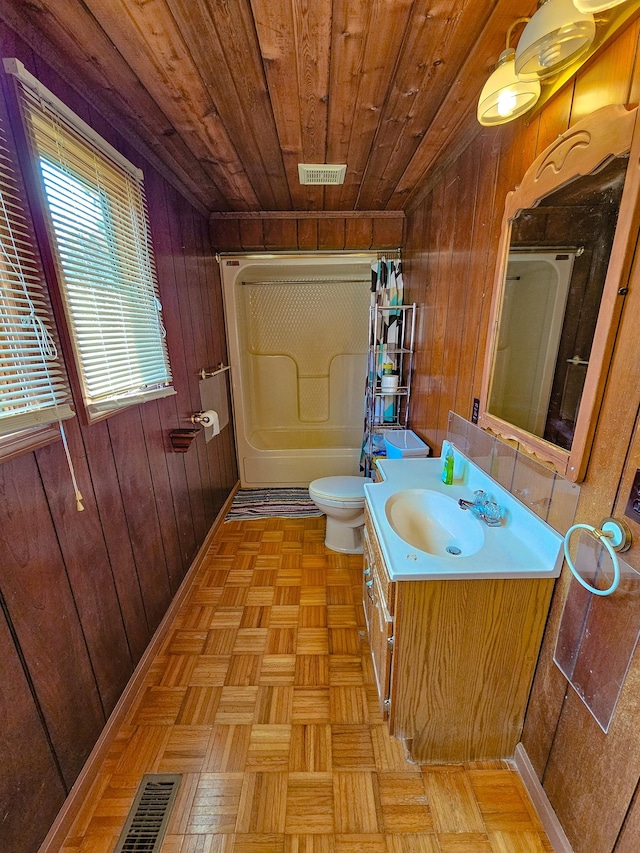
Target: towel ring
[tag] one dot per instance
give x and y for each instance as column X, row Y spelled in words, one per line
column 614, row 535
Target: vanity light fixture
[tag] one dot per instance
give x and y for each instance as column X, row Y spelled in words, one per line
column 555, row 37
column 504, row 96
column 596, row 5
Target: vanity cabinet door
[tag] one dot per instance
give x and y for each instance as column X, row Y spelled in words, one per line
column 379, row 623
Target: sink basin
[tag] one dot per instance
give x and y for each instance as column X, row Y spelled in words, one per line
column 434, row 523
column 416, row 518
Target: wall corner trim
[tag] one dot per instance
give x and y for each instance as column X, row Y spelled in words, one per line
column 547, row 815
column 81, row 787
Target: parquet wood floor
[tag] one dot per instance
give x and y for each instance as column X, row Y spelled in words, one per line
column 262, row 696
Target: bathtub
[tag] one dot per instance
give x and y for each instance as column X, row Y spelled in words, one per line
column 297, row 329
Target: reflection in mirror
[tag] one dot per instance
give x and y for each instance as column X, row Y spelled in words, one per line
column 555, row 274
column 568, row 240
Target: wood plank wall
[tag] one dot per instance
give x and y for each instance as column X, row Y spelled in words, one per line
column 320, row 231
column 452, row 239
column 82, row 593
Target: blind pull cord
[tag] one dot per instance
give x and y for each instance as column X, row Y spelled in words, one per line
column 48, row 349
column 46, row 346
column 79, row 506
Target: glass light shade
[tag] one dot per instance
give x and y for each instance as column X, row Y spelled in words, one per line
column 505, row 97
column 596, row 5
column 554, row 38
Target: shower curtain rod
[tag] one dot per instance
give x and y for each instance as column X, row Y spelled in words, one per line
column 544, row 250
column 300, row 253
column 324, row 280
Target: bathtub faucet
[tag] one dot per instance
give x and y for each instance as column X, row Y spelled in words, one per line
column 483, row 508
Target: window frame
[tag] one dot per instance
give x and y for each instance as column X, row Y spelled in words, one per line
column 88, row 410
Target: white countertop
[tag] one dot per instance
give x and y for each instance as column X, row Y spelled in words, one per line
column 523, row 546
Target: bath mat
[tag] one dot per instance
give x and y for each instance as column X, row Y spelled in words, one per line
column 266, row 503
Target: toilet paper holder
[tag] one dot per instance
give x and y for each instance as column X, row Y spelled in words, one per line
column 181, row 439
column 207, row 419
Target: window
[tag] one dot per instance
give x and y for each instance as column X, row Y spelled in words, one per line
column 34, row 393
column 96, row 216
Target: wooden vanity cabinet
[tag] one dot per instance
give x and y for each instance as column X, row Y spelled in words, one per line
column 454, row 659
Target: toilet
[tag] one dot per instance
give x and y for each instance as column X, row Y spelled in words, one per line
column 341, row 499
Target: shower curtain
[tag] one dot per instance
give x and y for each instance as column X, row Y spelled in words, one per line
column 386, row 291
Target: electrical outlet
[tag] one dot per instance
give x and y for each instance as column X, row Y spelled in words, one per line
column 633, row 504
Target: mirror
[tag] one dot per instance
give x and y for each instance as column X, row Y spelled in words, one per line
column 565, row 252
column 551, row 297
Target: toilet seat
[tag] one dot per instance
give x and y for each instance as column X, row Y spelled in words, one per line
column 339, row 491
column 341, row 499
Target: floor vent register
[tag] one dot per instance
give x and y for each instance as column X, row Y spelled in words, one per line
column 147, row 822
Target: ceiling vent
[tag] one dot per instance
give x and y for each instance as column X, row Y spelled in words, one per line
column 321, row 173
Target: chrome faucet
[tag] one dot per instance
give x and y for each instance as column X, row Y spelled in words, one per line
column 483, row 508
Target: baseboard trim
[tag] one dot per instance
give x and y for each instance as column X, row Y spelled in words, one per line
column 550, row 822
column 78, row 793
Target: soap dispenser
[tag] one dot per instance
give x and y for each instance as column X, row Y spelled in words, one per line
column 447, row 467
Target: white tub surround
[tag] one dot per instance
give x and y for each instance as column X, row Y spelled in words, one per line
column 297, row 332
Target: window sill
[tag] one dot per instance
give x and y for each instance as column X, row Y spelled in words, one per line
column 27, row 440
column 92, row 414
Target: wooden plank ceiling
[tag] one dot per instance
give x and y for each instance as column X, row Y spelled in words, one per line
column 232, row 94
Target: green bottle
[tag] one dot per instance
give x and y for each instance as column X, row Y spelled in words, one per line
column 447, row 468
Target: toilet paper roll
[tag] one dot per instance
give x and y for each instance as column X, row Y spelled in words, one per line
column 389, row 383
column 210, row 419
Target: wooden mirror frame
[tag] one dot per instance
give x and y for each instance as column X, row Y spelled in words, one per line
column 611, row 131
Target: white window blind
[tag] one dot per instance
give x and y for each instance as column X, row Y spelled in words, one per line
column 100, row 235
column 33, row 383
